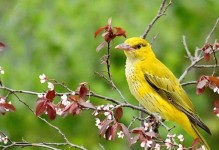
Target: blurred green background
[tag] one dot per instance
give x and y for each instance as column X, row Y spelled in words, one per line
column 57, row 38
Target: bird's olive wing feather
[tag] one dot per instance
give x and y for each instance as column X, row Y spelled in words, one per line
column 170, row 89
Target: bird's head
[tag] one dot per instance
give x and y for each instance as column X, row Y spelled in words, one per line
column 136, row 48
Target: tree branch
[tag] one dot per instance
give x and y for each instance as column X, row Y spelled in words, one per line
column 161, row 12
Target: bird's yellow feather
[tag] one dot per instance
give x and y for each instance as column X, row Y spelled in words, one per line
column 157, row 89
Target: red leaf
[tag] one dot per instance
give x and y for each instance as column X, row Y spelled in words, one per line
column 9, row 106
column 201, row 84
column 87, row 105
column 83, row 91
column 120, row 32
column 113, row 130
column 108, row 133
column 73, row 98
column 118, row 113
column 125, row 130
column 98, row 31
column 195, row 142
column 207, row 57
column 105, row 124
column 137, row 130
column 214, row 80
column 50, row 95
column 74, row 109
column 40, row 107
column 207, row 49
column 51, row 111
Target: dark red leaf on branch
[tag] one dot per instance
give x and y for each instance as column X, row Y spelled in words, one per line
column 137, row 130
column 73, row 98
column 50, row 95
column 51, row 111
column 5, row 106
column 113, row 130
column 207, row 57
column 87, row 105
column 108, row 134
column 40, row 106
column 201, row 84
column 118, row 113
column 207, row 50
column 120, row 32
column 214, row 80
column 83, row 91
column 125, row 130
column 109, row 33
column 98, row 31
column 9, row 106
column 72, row 108
column 105, row 125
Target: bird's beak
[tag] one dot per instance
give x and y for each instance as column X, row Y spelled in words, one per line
column 124, row 46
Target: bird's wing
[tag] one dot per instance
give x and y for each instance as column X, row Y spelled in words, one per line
column 168, row 86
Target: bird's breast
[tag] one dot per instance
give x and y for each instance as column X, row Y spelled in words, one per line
column 144, row 93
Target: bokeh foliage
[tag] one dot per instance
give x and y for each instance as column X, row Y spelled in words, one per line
column 57, row 38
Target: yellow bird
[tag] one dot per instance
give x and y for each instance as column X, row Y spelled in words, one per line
column 157, row 89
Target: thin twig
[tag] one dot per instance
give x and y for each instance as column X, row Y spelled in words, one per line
column 198, row 58
column 26, row 144
column 212, row 31
column 188, row 68
column 188, row 83
column 108, row 61
column 215, row 58
column 161, row 12
column 205, row 66
column 51, row 125
column 187, row 49
column 110, row 80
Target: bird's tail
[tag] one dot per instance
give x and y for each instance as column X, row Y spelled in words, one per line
column 198, row 135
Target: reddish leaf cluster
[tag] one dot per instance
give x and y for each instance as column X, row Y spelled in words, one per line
column 77, row 103
column 109, row 33
column 109, row 127
column 216, row 107
column 146, row 132
column 72, row 105
column 208, row 49
column 5, row 106
column 45, row 104
column 142, row 135
column 207, row 81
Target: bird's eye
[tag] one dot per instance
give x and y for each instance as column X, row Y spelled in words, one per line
column 139, row 46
